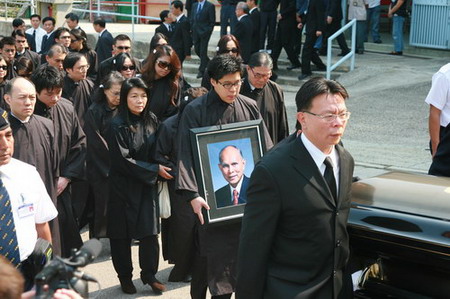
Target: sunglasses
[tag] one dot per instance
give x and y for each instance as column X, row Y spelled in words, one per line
column 3, row 67
column 73, row 40
column 123, row 47
column 164, row 64
column 233, row 50
column 128, row 68
column 10, row 50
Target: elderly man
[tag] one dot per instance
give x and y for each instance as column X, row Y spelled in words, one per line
column 244, row 30
column 294, row 242
column 268, row 95
column 232, row 166
column 56, row 55
column 25, row 207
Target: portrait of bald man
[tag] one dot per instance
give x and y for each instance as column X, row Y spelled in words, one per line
column 232, row 167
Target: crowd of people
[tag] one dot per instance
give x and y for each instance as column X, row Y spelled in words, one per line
column 104, row 130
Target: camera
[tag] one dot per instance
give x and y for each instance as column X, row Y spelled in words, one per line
column 64, row 274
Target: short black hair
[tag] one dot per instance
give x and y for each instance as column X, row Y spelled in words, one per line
column 60, row 30
column 178, row 4
column 222, row 65
column 163, row 15
column 260, row 59
column 49, row 19
column 18, row 32
column 17, row 22
column 315, row 87
column 73, row 17
column 101, row 22
column 7, row 40
column 47, row 77
column 35, row 16
column 122, row 37
column 71, row 59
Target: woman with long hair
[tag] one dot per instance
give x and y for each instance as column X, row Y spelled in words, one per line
column 125, row 65
column 78, row 43
column 162, row 73
column 228, row 44
column 105, row 101
column 3, row 81
column 133, row 209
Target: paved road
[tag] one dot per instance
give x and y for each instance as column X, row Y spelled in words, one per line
column 387, row 130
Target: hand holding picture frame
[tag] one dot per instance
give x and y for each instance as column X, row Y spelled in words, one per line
column 224, row 160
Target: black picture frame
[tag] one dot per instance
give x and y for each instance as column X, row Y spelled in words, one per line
column 248, row 137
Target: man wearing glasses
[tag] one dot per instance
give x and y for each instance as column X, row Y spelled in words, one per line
column 8, row 51
column 122, row 44
column 268, row 95
column 294, row 242
column 215, row 262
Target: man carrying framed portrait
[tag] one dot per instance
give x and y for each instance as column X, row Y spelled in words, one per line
column 215, row 262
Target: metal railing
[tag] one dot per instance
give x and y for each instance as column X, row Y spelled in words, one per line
column 133, row 4
column 24, row 5
column 350, row 55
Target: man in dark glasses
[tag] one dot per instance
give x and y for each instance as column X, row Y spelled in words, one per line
column 8, row 51
column 122, row 44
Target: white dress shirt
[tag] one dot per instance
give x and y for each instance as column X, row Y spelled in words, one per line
column 38, row 39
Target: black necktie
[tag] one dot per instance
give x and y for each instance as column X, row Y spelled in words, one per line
column 9, row 247
column 44, row 39
column 34, row 34
column 329, row 177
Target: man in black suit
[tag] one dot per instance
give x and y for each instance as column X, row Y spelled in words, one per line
column 294, row 242
column 255, row 15
column 49, row 39
column 181, row 40
column 315, row 20
column 21, row 51
column 105, row 40
column 334, row 16
column 166, row 27
column 232, row 166
column 19, row 24
column 203, row 18
column 244, row 30
column 268, row 10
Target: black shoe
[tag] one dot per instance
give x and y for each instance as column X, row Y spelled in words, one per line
column 127, row 286
column 359, row 51
column 343, row 53
column 303, row 76
column 378, row 41
column 200, row 75
column 321, row 68
column 157, row 286
column 396, row 53
column 293, row 66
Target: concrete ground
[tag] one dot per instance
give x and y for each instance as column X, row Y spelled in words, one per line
column 388, row 129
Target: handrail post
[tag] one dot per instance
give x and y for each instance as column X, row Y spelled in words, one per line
column 132, row 19
column 352, row 60
column 350, row 55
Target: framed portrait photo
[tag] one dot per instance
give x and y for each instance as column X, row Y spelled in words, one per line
column 225, row 157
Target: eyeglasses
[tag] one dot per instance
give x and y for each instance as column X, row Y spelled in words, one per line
column 73, row 40
column 83, row 68
column 164, row 64
column 10, row 50
column 261, row 76
column 128, row 68
column 233, row 50
column 3, row 67
column 65, row 37
column 229, row 85
column 123, row 47
column 329, row 117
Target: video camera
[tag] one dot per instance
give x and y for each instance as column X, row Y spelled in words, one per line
column 64, row 274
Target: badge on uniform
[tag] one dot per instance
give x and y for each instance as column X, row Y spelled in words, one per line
column 26, row 209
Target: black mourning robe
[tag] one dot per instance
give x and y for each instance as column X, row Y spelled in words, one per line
column 12, row 73
column 34, row 144
column 91, row 57
column 97, row 121
column 33, row 56
column 217, row 244
column 108, row 65
column 177, row 232
column 160, row 104
column 270, row 101
column 79, row 93
column 133, row 208
column 70, row 144
column 3, row 103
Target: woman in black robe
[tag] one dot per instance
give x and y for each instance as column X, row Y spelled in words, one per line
column 105, row 101
column 125, row 65
column 78, row 43
column 133, row 209
column 162, row 73
column 3, row 81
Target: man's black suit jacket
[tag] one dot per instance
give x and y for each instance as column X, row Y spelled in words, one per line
column 104, row 46
column 315, row 18
column 223, row 195
column 163, row 29
column 244, row 33
column 181, row 40
column 304, row 245
column 48, row 43
column 202, row 24
column 31, row 42
column 255, row 15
